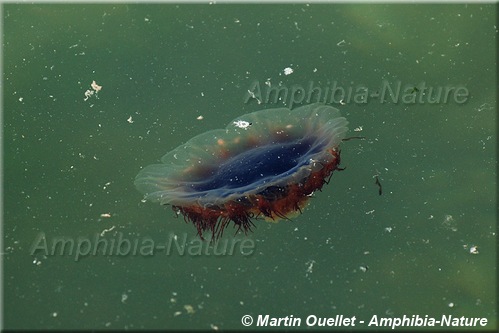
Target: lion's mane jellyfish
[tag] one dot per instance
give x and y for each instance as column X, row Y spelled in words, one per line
column 265, row 164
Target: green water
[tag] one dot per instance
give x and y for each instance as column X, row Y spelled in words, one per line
column 352, row 252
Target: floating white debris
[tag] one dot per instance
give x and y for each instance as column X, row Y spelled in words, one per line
column 88, row 94
column 95, row 86
column 106, row 230
column 288, row 70
column 189, row 309
column 310, row 266
column 95, row 89
column 242, row 124
column 358, row 129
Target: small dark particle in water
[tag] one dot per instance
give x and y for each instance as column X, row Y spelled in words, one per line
column 380, row 188
column 414, row 90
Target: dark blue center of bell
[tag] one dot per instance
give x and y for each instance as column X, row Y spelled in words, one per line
column 259, row 164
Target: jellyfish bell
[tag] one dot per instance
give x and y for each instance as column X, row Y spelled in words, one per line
column 265, row 164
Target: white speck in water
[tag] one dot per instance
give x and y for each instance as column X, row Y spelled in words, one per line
column 310, row 266
column 474, row 249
